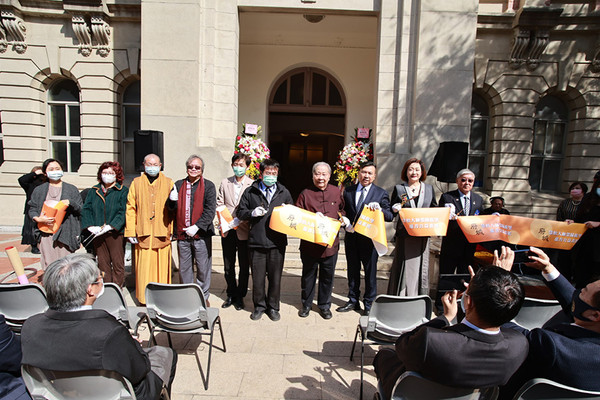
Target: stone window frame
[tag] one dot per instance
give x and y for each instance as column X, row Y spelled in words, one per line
column 480, row 111
column 307, row 105
column 556, row 118
column 125, row 141
column 67, row 138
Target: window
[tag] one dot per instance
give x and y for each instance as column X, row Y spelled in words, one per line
column 64, row 124
column 306, row 87
column 549, row 129
column 131, row 123
column 478, row 138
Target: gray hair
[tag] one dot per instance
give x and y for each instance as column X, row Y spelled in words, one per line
column 194, row 157
column 66, row 281
column 321, row 164
column 464, row 171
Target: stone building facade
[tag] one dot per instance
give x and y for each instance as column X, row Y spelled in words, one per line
column 519, row 80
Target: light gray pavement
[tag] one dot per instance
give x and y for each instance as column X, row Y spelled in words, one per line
column 294, row 358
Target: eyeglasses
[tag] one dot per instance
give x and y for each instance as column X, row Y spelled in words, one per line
column 100, row 279
column 194, row 167
column 467, row 180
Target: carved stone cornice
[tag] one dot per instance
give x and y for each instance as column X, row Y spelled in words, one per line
column 82, row 31
column 96, row 35
column 101, row 33
column 3, row 41
column 531, row 28
column 13, row 32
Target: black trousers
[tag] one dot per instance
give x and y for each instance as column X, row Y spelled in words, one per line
column 232, row 245
column 325, row 267
column 360, row 250
column 266, row 264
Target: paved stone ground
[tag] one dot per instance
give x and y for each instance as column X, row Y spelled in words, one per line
column 294, row 358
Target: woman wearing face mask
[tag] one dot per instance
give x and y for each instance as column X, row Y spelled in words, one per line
column 103, row 216
column 587, row 248
column 566, row 211
column 66, row 239
column 29, row 182
column 409, row 275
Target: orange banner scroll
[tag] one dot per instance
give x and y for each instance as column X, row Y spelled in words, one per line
column 521, row 230
column 371, row 224
column 225, row 218
column 425, row 221
column 53, row 209
column 305, row 225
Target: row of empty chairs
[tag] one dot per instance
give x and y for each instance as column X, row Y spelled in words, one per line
column 171, row 308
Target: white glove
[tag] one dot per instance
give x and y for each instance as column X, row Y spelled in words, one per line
column 235, row 223
column 174, row 195
column 345, row 221
column 374, row 206
column 349, row 228
column 132, row 240
column 191, row 230
column 452, row 210
column 496, row 214
column 259, row 211
column 94, row 230
column 397, row 207
column 105, row 229
column 320, row 215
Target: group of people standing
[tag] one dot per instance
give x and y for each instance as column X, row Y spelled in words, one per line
column 155, row 210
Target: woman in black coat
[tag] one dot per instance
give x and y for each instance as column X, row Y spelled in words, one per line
column 29, row 182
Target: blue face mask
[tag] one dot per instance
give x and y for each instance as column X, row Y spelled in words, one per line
column 269, row 180
column 578, row 306
column 598, row 191
column 152, row 170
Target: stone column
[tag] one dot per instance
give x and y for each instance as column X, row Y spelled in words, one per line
column 189, row 69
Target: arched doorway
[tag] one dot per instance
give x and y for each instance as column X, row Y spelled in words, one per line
column 307, row 118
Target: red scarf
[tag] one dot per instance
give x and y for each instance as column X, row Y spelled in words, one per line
column 184, row 205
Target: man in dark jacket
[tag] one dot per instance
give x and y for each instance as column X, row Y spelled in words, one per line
column 266, row 246
column 71, row 336
column 195, row 201
column 567, row 352
column 475, row 353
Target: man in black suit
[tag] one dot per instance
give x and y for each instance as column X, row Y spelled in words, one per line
column 359, row 248
column 475, row 353
column 71, row 336
column 567, row 352
column 457, row 253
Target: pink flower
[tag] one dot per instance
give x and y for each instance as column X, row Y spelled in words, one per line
column 348, row 168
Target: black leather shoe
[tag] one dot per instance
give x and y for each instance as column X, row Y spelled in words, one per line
column 304, row 311
column 366, row 311
column 349, row 306
column 256, row 315
column 239, row 304
column 274, row 315
column 326, row 314
column 227, row 303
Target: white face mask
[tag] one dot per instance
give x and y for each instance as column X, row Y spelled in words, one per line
column 109, row 178
column 152, row 170
column 54, row 175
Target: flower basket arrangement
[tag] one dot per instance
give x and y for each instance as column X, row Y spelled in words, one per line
column 254, row 148
column 355, row 153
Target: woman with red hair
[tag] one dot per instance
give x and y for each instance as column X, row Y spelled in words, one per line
column 103, row 215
